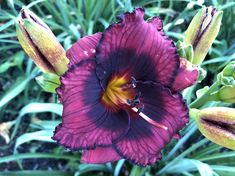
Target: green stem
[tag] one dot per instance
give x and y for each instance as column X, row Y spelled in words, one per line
column 205, row 97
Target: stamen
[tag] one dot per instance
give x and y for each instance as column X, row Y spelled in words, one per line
column 133, row 82
column 134, row 106
column 145, row 117
column 130, row 85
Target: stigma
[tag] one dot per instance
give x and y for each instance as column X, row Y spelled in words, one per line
column 149, row 120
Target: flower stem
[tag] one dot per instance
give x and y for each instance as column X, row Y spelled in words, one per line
column 205, row 97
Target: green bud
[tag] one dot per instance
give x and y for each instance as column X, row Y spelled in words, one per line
column 229, row 70
column 202, row 32
column 49, row 82
column 189, row 53
column 225, row 94
column 181, row 49
column 227, row 76
column 40, row 44
column 185, row 51
column 217, row 124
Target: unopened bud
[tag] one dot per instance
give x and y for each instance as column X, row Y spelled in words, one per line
column 186, row 76
column 229, row 70
column 225, row 94
column 40, row 44
column 49, row 82
column 217, row 124
column 202, row 32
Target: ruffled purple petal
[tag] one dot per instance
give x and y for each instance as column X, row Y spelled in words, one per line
column 157, row 23
column 86, row 122
column 138, row 47
column 84, row 48
column 186, row 76
column 143, row 142
column 100, row 155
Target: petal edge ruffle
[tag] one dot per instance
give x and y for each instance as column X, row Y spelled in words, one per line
column 135, row 45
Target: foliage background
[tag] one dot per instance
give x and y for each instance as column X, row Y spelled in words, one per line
column 35, row 113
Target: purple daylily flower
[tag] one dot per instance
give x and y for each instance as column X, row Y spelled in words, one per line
column 120, row 95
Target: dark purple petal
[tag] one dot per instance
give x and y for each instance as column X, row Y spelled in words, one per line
column 100, row 155
column 186, row 76
column 143, row 142
column 86, row 122
column 137, row 47
column 84, row 48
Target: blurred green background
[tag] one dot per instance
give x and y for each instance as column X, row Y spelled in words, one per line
column 28, row 115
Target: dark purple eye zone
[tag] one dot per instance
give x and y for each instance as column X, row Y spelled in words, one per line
column 120, row 94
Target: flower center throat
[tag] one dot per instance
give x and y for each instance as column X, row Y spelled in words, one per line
column 121, row 93
column 118, row 91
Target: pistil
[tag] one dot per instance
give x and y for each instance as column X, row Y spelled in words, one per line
column 149, row 120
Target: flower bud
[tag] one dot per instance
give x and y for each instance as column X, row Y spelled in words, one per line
column 229, row 70
column 49, row 82
column 186, row 76
column 202, row 31
column 225, row 94
column 217, row 124
column 40, row 44
column 227, row 76
column 185, row 51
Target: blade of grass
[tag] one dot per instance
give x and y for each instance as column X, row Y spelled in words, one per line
column 6, row 25
column 15, row 157
column 84, row 168
column 137, row 171
column 43, row 135
column 224, row 170
column 217, row 156
column 118, row 167
column 15, row 90
column 181, row 142
column 36, row 108
column 182, row 155
column 36, row 173
column 189, row 165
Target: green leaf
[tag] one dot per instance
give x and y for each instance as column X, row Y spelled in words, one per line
column 118, row 167
column 137, row 171
column 36, row 173
column 14, row 90
column 44, row 124
column 224, row 170
column 6, row 25
column 16, row 157
column 5, row 66
column 217, row 156
column 36, row 108
column 84, row 168
column 43, row 135
column 182, row 156
column 190, row 165
column 192, row 128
